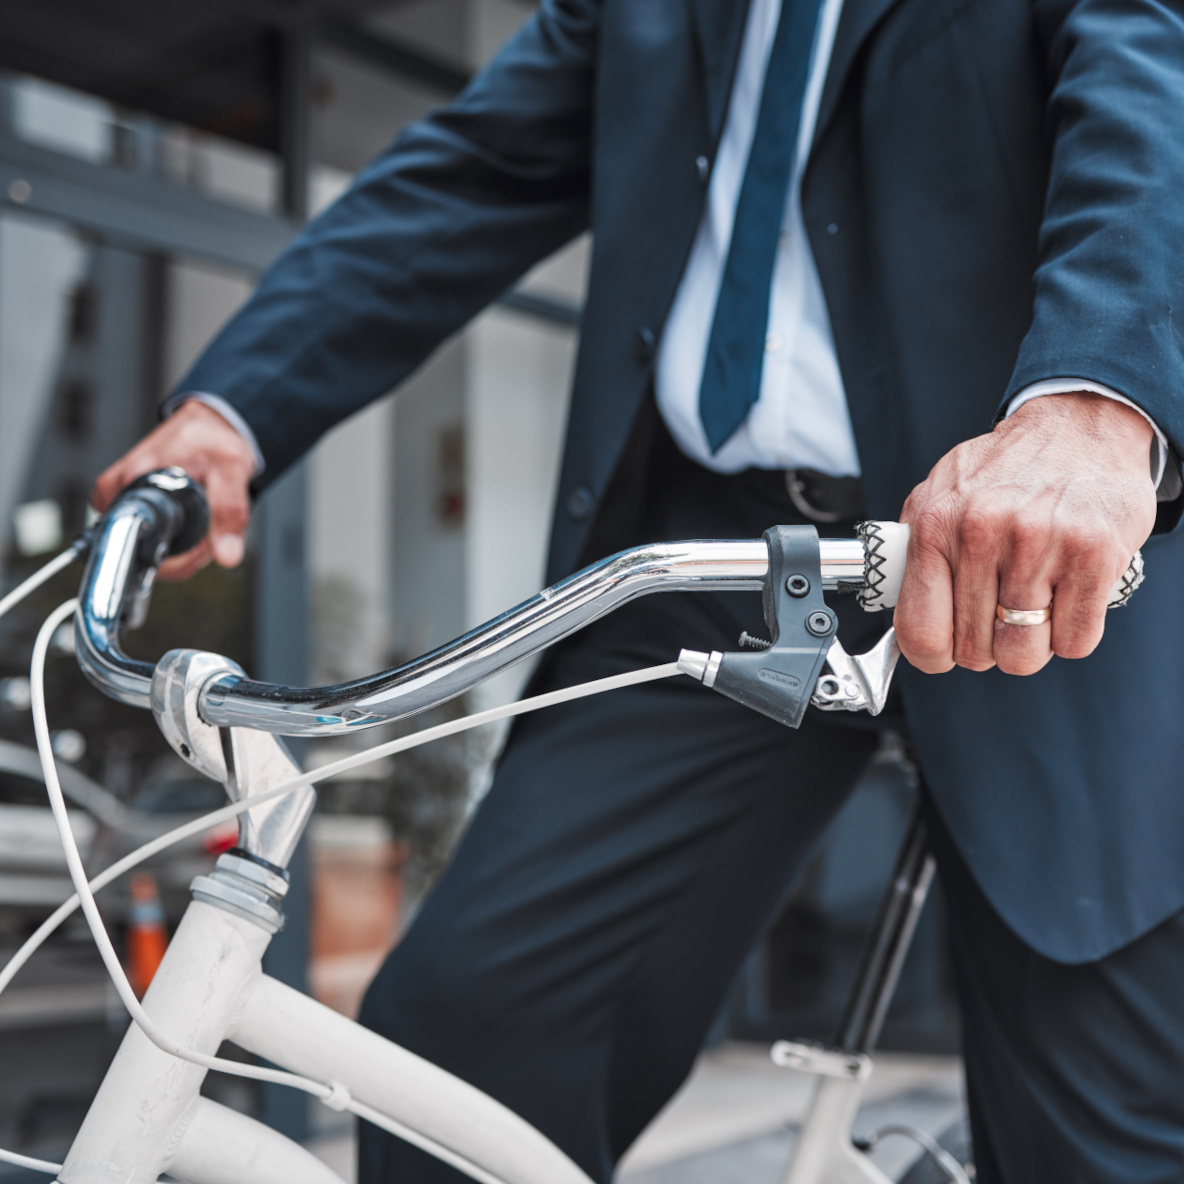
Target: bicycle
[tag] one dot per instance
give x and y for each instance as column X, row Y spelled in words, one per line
column 148, row 1116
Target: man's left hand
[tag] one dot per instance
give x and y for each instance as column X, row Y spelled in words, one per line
column 1045, row 510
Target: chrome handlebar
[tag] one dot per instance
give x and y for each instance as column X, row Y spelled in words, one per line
column 161, row 514
column 136, row 533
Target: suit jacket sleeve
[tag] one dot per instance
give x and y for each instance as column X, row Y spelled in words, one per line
column 1109, row 288
column 430, row 232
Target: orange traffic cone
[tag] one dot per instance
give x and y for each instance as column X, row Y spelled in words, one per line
column 147, row 938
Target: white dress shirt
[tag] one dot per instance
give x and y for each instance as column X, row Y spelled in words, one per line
column 800, row 419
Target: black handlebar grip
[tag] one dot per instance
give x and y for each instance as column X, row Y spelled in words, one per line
column 181, row 504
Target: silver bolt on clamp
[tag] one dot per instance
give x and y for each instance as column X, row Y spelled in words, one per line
column 820, row 1060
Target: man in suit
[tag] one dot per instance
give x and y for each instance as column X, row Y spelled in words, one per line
column 911, row 258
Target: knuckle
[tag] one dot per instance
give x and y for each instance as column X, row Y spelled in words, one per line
column 921, row 642
column 1078, row 638
column 1021, row 665
column 980, row 530
column 232, row 518
column 1029, row 533
column 1078, row 648
column 1086, row 549
column 930, row 529
column 938, row 664
column 972, row 658
column 1022, row 651
column 228, row 495
column 103, row 491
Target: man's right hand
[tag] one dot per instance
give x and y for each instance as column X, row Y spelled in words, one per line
column 198, row 440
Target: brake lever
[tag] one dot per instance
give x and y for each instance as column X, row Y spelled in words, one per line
column 804, row 662
column 857, row 682
column 780, row 679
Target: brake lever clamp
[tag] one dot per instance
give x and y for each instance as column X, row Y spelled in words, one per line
column 780, row 680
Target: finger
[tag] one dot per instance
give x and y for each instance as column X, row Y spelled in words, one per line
column 112, row 481
column 181, row 567
column 106, row 486
column 1023, row 649
column 226, row 492
column 1084, row 580
column 924, row 617
column 976, row 590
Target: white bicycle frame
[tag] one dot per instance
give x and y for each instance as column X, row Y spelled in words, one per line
column 148, row 1116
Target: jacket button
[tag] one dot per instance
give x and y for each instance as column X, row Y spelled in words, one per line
column 703, row 168
column 580, row 503
column 644, row 345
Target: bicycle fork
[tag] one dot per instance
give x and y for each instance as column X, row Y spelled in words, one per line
column 824, row 1152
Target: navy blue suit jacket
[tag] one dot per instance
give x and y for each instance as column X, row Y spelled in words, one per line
column 995, row 195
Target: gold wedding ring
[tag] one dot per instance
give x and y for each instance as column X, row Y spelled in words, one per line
column 1023, row 616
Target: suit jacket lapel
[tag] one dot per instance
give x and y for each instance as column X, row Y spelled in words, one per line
column 719, row 30
column 858, row 19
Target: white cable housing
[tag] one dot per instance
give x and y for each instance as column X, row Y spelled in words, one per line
column 123, row 988
column 27, row 1161
column 39, row 577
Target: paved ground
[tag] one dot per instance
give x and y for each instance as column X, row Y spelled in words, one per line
column 735, row 1120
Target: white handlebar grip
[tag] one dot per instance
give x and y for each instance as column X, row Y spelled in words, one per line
column 885, row 546
column 887, row 543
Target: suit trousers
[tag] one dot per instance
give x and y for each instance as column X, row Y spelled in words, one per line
column 634, row 846
column 1074, row 1072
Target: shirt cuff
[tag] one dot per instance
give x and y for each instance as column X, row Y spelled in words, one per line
column 228, row 413
column 1165, row 470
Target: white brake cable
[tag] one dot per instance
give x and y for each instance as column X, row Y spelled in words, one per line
column 27, row 1161
column 57, row 803
column 40, row 577
column 424, row 1143
column 521, row 707
column 10, row 601
column 178, row 834
column 84, row 897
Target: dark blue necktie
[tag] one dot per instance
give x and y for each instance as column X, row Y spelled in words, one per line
column 735, row 353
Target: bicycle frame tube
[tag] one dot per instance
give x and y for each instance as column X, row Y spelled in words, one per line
column 148, row 1117
column 824, row 1153
column 300, row 1034
column 118, row 578
column 141, row 1108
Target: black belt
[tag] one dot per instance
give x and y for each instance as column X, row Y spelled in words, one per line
column 822, row 498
